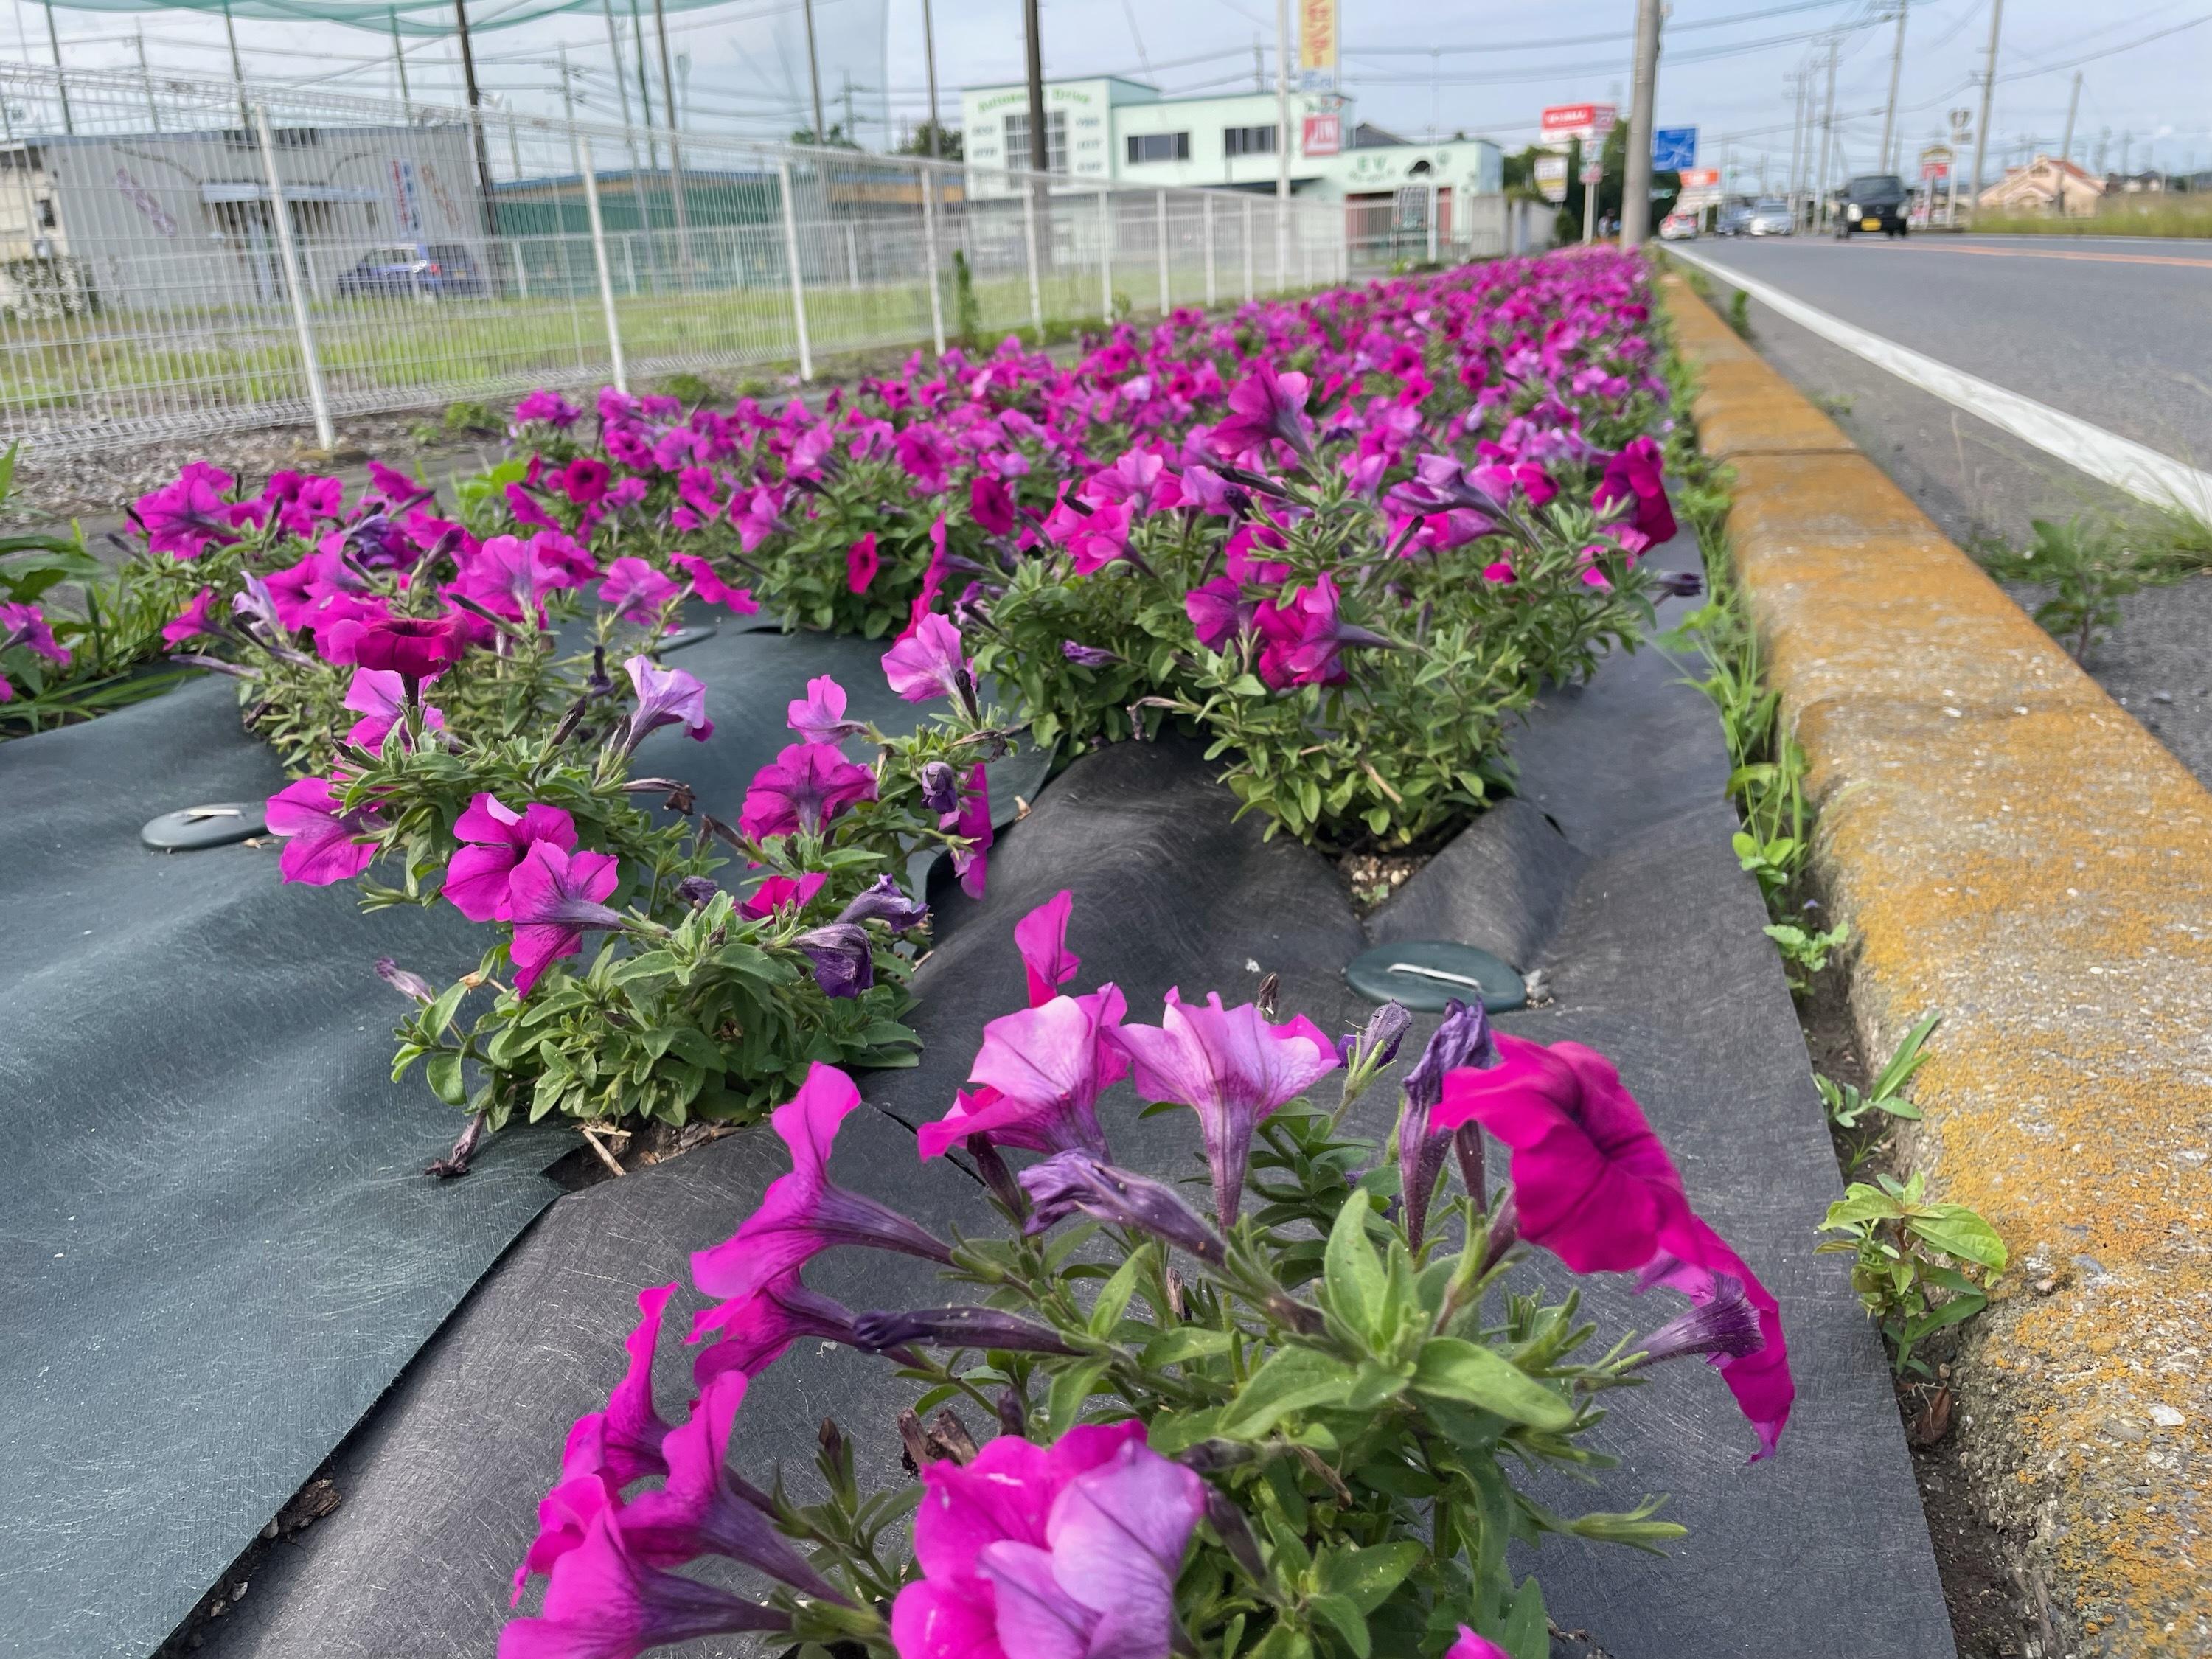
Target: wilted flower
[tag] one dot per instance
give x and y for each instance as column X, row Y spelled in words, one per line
column 844, row 959
column 805, row 1212
column 1087, row 656
column 970, row 861
column 696, row 891
column 665, row 696
column 955, row 1328
column 940, row 788
column 1462, row 1039
column 407, row 984
column 884, row 900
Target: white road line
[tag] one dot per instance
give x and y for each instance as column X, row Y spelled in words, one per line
column 2141, row 471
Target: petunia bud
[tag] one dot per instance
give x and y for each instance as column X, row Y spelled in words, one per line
column 844, row 961
column 1074, row 1181
column 954, row 1328
column 1462, row 1039
column 1230, row 1526
column 407, row 984
column 1466, row 1143
column 998, row 1179
column 1087, row 656
column 697, row 891
column 1375, row 1045
column 1013, row 1411
column 940, row 787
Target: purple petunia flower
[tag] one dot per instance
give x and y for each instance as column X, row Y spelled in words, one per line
column 320, row 838
column 1462, row 1039
column 927, row 663
column 1263, row 408
column 801, row 790
column 753, row 1329
column 1634, row 486
column 1065, row 1551
column 1042, row 939
column 554, row 898
column 635, row 591
column 497, row 839
column 971, row 862
column 1072, row 1182
column 1471, row 1646
column 26, row 625
column 194, row 620
column 1232, row 1068
column 1039, row 1074
column 551, row 407
column 940, row 788
column 819, row 716
column 782, row 892
column 708, row 584
column 665, row 696
column 181, row 517
column 805, row 1212
column 883, row 901
column 380, row 699
column 990, row 505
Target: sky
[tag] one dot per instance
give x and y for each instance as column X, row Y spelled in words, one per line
column 1481, row 67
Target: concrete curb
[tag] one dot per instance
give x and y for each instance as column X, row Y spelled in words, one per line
column 2010, row 846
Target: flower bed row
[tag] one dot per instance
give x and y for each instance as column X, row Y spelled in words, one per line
column 1344, row 539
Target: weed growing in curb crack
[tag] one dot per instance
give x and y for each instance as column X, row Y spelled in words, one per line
column 1916, row 1261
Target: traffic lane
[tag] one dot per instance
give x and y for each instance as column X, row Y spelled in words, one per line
column 1979, row 485
column 2122, row 343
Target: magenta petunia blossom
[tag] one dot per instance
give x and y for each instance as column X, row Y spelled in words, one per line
column 583, row 481
column 1302, row 638
column 1232, row 1068
column 320, row 839
column 861, row 563
column 194, row 620
column 553, row 899
column 379, row 697
column 1042, row 939
column 665, row 696
column 1038, row 1077
column 990, row 505
column 972, row 822
column 1634, row 488
column 1471, row 1646
column 635, row 591
column 1263, row 408
column 782, row 893
column 819, row 716
column 927, row 663
column 753, row 1329
column 1217, row 612
column 710, row 587
column 26, row 625
column 181, row 517
column 603, row 1603
column 801, row 790
column 1069, row 1551
column 805, row 1212
column 1593, row 1185
column 413, row 647
column 550, row 407
column 498, row 840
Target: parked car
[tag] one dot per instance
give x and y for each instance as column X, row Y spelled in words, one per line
column 1874, row 201
column 425, row 270
column 1678, row 227
column 1770, row 217
column 1734, row 219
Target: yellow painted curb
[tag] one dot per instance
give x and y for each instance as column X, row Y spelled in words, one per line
column 2009, row 844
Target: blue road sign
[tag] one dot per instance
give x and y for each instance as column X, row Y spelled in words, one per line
column 1673, row 148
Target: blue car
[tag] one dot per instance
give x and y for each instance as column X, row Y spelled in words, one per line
column 414, row 270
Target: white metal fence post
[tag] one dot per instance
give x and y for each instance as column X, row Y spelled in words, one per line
column 851, row 259
column 929, row 253
column 1206, row 214
column 798, row 277
column 1435, row 201
column 599, row 259
column 311, row 363
column 1160, row 217
column 1106, row 256
column 1029, row 240
column 1247, row 251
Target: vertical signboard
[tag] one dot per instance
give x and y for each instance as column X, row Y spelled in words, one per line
column 1317, row 32
column 1323, row 135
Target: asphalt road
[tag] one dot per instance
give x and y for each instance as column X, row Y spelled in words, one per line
column 2117, row 330
column 2123, row 340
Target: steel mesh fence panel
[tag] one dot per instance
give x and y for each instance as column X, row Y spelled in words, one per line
column 166, row 271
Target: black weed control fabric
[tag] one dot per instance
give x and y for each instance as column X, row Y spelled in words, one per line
column 1614, row 876
column 219, row 1244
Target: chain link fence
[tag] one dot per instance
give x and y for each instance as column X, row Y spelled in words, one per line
column 181, row 257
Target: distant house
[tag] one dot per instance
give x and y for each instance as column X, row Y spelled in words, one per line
column 2043, row 183
column 2136, row 184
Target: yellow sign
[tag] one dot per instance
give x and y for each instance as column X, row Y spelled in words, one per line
column 1317, row 32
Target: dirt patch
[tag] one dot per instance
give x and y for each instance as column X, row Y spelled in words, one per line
column 1370, row 877
column 318, row 1497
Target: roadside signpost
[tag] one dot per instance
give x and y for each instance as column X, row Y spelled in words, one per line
column 1673, row 148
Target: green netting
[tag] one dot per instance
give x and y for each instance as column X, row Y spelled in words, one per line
column 433, row 17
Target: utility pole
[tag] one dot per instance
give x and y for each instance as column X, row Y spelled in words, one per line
column 2066, row 148
column 1636, row 182
column 237, row 69
column 630, row 129
column 146, row 78
column 1797, row 151
column 1283, row 100
column 929, row 57
column 1040, row 152
column 2104, row 143
column 814, row 76
column 1828, row 140
column 399, row 62
column 1989, row 92
column 1896, row 67
column 675, row 154
column 61, row 81
column 2127, row 149
column 1259, row 63
column 475, row 113
column 644, row 96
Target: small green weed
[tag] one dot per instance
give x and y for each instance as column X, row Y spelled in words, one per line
column 1848, row 1108
column 1804, row 953
column 1916, row 1260
column 2090, row 566
column 1739, row 313
column 687, row 388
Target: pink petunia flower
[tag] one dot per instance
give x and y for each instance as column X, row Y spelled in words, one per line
column 635, row 591
column 861, row 563
column 379, row 697
column 601, row 1602
column 665, row 696
column 927, row 663
column 194, row 620
column 498, row 838
column 553, row 899
column 819, row 716
column 321, row 844
column 782, row 893
column 710, row 587
column 805, row 1212
column 801, row 790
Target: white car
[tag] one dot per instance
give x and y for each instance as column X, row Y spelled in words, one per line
column 1770, row 217
column 1678, row 227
